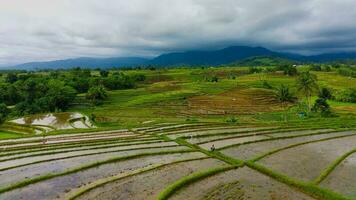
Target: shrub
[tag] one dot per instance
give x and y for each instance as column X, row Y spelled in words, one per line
column 96, row 94
column 253, row 70
column 104, row 73
column 266, row 85
column 4, row 112
column 232, row 119
column 322, row 106
column 288, row 70
column 325, row 93
column 315, row 68
column 348, row 95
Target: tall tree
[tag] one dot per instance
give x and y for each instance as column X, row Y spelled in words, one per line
column 4, row 112
column 307, row 84
column 284, row 96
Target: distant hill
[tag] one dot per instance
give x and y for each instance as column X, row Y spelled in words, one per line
column 264, row 61
column 242, row 55
column 84, row 62
column 218, row 57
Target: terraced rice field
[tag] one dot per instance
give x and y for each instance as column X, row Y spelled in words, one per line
column 175, row 161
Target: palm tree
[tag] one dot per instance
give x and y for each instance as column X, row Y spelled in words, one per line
column 307, row 84
column 284, row 96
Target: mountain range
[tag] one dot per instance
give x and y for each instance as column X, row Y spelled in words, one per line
column 227, row 55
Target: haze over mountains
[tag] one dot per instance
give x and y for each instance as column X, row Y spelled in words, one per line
column 213, row 58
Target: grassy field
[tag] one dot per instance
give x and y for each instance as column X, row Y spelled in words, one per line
column 178, row 95
column 155, row 142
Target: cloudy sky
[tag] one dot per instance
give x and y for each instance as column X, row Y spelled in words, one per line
column 38, row 30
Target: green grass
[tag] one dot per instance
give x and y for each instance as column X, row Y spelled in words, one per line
column 4, row 135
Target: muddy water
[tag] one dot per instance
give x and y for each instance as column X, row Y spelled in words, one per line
column 251, row 185
column 196, row 140
column 248, row 151
column 66, row 136
column 60, row 147
column 55, row 120
column 289, row 133
column 148, row 185
column 222, row 143
column 54, row 188
column 306, row 162
column 265, row 133
column 18, row 174
column 34, row 158
column 188, row 134
column 67, row 140
column 202, row 128
column 343, row 178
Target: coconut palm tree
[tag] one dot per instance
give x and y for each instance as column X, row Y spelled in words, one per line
column 307, row 84
column 284, row 96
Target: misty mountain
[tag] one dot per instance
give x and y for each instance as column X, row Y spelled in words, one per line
column 218, row 57
column 233, row 54
column 85, row 62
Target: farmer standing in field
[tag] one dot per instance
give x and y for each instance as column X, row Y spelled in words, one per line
column 212, row 148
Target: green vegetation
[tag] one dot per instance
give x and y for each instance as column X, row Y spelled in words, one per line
column 157, row 105
column 307, row 84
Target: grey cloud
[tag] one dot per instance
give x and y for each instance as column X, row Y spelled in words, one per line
column 39, row 30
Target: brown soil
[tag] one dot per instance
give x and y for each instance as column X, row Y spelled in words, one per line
column 238, row 101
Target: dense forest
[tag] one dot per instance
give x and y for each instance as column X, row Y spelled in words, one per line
column 39, row 92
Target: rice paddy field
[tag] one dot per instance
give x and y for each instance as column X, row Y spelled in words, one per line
column 178, row 136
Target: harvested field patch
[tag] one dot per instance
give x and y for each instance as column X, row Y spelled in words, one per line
column 237, row 101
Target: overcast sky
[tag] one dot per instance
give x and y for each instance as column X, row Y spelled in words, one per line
column 38, row 30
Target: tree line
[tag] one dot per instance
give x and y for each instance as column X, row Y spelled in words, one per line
column 30, row 93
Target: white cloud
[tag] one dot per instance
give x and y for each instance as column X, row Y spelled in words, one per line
column 35, row 30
